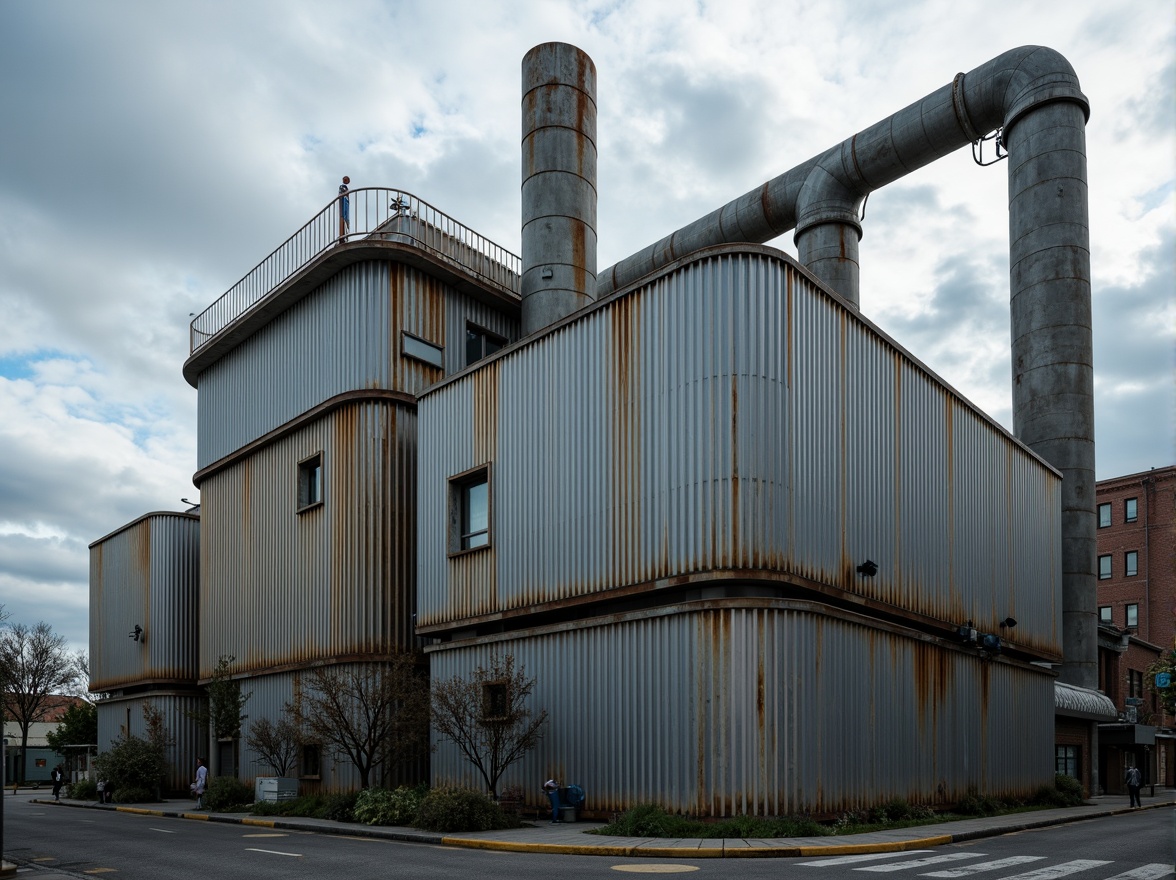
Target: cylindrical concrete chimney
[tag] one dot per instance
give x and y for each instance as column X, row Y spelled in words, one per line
column 559, row 183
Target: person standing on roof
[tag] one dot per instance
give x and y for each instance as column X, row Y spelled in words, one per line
column 344, row 209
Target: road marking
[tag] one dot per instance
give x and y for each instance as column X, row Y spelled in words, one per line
column 265, row 835
column 101, row 871
column 273, row 852
column 850, row 860
column 655, row 869
column 919, row 863
column 161, row 830
column 1148, row 872
column 984, row 866
column 46, row 859
column 1061, row 870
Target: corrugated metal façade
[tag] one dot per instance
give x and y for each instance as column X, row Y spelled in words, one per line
column 345, row 336
column 119, row 715
column 733, row 418
column 763, row 707
column 145, row 574
column 285, row 588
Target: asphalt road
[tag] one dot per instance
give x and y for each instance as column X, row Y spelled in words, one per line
column 98, row 843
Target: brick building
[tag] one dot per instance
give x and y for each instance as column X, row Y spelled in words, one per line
column 1137, row 621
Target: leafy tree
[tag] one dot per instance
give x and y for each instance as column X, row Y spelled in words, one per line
column 78, row 726
column 487, row 718
column 276, row 744
column 224, row 711
column 1165, row 695
column 374, row 715
column 34, row 666
column 138, row 762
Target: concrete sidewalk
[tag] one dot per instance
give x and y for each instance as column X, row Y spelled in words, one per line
column 572, row 839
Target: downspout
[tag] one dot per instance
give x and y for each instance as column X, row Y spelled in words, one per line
column 1034, row 94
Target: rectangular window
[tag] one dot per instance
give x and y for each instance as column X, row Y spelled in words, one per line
column 495, row 701
column 422, row 351
column 1132, row 616
column 1104, row 567
column 1104, row 614
column 481, row 343
column 1131, row 563
column 1131, row 509
column 1066, row 760
column 310, row 482
column 469, row 510
column 1134, row 683
column 1104, row 515
column 309, row 763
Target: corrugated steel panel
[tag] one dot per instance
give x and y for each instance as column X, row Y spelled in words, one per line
column 118, row 716
column 731, row 414
column 763, row 709
column 146, row 574
column 280, row 587
column 345, row 336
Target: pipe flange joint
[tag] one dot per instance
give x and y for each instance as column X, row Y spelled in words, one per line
column 1046, row 93
column 960, row 108
column 842, row 215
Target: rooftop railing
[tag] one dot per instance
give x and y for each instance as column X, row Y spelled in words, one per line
column 368, row 213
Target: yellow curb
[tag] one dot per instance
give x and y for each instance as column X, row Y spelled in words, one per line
column 564, row 849
column 680, row 852
column 848, row 849
column 260, row 823
column 139, row 811
column 760, row 852
column 202, row 816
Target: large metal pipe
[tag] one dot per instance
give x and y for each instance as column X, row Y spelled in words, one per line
column 1034, row 94
column 559, row 184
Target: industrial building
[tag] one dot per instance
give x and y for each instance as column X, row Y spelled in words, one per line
column 757, row 556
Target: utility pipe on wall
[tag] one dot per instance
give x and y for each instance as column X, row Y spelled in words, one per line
column 1034, row 94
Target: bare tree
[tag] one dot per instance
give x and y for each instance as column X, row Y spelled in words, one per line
column 35, row 665
column 276, row 744
column 487, row 718
column 374, row 714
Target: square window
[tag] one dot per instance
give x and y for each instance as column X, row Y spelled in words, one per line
column 1132, row 616
column 422, row 350
column 1104, row 614
column 1131, row 563
column 1104, row 515
column 1131, row 509
column 469, row 510
column 481, row 343
column 1104, row 567
column 310, row 481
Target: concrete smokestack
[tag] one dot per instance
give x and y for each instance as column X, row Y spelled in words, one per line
column 559, row 184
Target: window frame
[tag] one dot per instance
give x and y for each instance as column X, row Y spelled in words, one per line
column 1104, row 515
column 310, row 761
column 1132, row 610
column 1106, row 614
column 1110, row 568
column 1131, row 563
column 495, row 697
column 486, row 335
column 306, row 499
column 430, row 347
column 459, row 542
column 1067, row 756
column 1130, row 510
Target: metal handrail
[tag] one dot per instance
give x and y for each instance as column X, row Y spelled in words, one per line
column 373, row 212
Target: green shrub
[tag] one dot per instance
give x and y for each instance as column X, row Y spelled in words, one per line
column 459, row 809
column 381, row 806
column 338, row 807
column 652, row 820
column 83, row 790
column 974, row 804
column 132, row 794
column 647, row 820
column 227, row 794
column 135, row 763
column 1065, row 792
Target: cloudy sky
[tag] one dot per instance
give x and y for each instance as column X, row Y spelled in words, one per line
column 152, row 152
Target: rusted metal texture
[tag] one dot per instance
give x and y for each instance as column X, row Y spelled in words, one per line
column 559, row 184
column 758, row 708
column 347, row 335
column 119, row 715
column 144, row 574
column 732, row 416
column 281, row 587
column 373, row 213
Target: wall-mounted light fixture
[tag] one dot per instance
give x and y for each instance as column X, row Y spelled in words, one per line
column 869, row 568
column 137, row 634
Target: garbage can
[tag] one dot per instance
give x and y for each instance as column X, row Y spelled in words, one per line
column 570, row 800
column 567, row 813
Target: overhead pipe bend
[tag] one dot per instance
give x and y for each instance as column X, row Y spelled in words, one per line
column 1033, row 93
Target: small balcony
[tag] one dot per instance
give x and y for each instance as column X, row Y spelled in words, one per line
column 370, row 214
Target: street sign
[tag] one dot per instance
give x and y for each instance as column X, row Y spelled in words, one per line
column 1163, row 679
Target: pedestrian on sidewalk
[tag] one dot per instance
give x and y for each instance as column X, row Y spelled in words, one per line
column 1134, row 780
column 58, row 779
column 201, row 783
column 551, row 789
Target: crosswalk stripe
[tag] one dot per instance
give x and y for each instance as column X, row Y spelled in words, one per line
column 849, row 860
column 919, row 863
column 1054, row 871
column 1153, row 871
column 986, row 866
